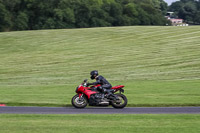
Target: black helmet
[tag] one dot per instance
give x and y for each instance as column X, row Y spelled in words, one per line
column 94, row 74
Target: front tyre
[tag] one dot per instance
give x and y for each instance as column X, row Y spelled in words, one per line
column 79, row 102
column 121, row 103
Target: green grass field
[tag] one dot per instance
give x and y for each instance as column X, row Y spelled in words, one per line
column 160, row 66
column 99, row 123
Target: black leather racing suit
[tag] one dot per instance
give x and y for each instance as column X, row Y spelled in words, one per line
column 103, row 82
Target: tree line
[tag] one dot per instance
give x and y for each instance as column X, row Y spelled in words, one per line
column 189, row 10
column 57, row 14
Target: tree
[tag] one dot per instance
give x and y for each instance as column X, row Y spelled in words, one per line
column 116, row 13
column 98, row 17
column 64, row 18
column 5, row 18
column 21, row 21
column 143, row 17
column 130, row 10
column 186, row 9
column 54, row 14
column 163, row 7
column 197, row 17
column 6, row 15
column 82, row 12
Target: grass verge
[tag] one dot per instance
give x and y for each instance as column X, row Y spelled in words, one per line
column 139, row 94
column 99, row 123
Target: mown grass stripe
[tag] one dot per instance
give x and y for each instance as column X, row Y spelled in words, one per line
column 51, row 60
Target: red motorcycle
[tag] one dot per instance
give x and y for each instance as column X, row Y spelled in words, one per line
column 91, row 95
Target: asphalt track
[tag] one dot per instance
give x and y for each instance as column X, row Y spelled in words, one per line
column 99, row 110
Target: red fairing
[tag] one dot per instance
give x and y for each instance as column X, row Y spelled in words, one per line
column 89, row 93
column 80, row 89
column 117, row 87
column 86, row 90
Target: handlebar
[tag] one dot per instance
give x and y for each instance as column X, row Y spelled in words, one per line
column 85, row 82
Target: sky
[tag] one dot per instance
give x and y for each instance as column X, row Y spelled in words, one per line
column 170, row 1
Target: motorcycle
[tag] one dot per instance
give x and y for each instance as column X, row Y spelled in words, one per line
column 92, row 96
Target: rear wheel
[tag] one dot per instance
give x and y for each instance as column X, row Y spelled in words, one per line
column 79, row 102
column 121, row 102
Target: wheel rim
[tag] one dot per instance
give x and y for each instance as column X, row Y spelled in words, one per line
column 119, row 102
column 79, row 101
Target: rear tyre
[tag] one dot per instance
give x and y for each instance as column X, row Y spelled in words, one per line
column 121, row 103
column 79, row 102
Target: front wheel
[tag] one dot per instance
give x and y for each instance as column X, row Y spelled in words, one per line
column 121, row 102
column 79, row 102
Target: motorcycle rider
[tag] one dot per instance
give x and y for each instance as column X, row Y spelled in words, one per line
column 105, row 85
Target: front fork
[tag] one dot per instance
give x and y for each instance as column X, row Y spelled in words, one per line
column 80, row 95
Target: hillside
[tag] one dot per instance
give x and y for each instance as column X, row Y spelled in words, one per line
column 45, row 66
